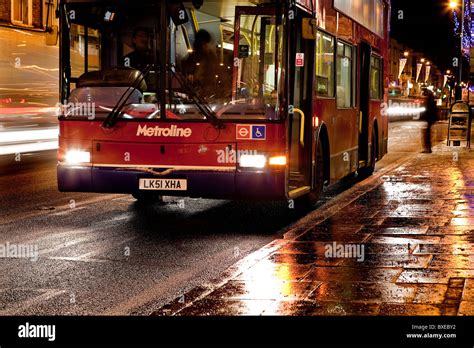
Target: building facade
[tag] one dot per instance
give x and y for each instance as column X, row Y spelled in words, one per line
column 35, row 14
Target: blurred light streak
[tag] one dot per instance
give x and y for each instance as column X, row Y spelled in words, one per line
column 28, row 135
column 32, row 147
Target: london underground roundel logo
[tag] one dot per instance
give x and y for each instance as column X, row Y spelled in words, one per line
column 244, row 132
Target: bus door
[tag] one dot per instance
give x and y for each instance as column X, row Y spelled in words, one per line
column 301, row 71
column 365, row 52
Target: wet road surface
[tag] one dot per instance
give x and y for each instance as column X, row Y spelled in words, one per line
column 105, row 254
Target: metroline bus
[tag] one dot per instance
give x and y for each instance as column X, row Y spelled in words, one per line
column 233, row 99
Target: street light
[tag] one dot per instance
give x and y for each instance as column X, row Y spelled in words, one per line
column 406, row 53
column 458, row 91
column 422, row 60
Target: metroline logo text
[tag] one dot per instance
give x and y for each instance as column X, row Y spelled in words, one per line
column 157, row 131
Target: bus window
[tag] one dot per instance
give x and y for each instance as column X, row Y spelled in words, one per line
column 257, row 58
column 198, row 50
column 85, row 50
column 202, row 67
column 208, row 67
column 344, row 75
column 376, row 78
column 324, row 65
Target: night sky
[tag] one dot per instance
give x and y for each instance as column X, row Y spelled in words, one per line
column 427, row 27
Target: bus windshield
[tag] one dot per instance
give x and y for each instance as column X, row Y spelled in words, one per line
column 193, row 60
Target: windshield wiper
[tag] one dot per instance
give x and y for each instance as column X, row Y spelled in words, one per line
column 111, row 118
column 201, row 104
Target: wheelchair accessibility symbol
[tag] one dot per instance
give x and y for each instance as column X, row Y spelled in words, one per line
column 258, row 132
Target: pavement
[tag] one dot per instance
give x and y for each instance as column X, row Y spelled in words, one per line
column 398, row 243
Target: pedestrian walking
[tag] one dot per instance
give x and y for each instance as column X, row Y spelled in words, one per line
column 430, row 115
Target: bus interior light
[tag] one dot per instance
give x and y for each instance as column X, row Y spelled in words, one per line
column 277, row 161
column 76, row 157
column 252, row 161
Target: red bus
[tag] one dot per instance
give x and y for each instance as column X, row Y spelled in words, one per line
column 233, row 99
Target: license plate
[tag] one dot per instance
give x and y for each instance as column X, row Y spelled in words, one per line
column 163, row 184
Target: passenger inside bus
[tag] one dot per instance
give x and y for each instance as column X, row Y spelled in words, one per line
column 142, row 55
column 202, row 67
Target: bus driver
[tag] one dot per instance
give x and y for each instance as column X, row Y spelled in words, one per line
column 142, row 55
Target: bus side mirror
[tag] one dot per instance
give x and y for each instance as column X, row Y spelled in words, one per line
column 51, row 38
column 309, row 28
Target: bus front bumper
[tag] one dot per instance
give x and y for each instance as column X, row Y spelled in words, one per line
column 261, row 185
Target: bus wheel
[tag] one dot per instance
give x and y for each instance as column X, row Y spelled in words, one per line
column 368, row 171
column 147, row 197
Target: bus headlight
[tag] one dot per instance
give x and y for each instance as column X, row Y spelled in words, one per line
column 76, row 157
column 253, row 161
